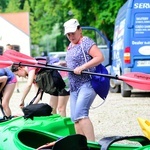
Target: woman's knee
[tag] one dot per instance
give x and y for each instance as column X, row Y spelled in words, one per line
column 61, row 109
column 5, row 104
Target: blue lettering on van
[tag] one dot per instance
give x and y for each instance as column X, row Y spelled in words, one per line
column 141, row 5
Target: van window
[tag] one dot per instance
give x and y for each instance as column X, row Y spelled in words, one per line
column 95, row 36
column 118, row 35
column 101, row 41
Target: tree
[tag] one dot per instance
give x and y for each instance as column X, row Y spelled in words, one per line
column 96, row 13
column 46, row 14
column 3, row 5
column 13, row 8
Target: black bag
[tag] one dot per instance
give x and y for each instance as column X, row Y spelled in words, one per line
column 50, row 81
column 37, row 110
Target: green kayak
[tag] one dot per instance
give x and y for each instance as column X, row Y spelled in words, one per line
column 21, row 134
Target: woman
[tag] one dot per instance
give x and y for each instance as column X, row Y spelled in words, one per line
column 30, row 73
column 59, row 100
column 81, row 92
column 7, row 86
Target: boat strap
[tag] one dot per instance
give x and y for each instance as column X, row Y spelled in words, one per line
column 40, row 91
column 1, row 107
column 108, row 141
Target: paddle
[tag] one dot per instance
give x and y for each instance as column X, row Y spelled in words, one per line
column 134, row 79
column 19, row 57
column 5, row 62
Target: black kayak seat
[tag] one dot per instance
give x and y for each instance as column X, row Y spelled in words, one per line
column 71, row 142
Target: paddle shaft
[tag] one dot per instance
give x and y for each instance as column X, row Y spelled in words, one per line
column 66, row 69
column 17, row 56
column 83, row 72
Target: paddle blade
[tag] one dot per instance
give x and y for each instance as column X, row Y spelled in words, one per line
column 5, row 62
column 19, row 57
column 137, row 80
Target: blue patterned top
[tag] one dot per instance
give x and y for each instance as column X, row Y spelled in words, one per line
column 7, row 72
column 74, row 58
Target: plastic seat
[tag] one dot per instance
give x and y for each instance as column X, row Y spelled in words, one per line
column 71, row 142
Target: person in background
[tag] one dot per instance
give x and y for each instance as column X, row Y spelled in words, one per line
column 58, row 101
column 10, row 47
column 7, row 86
column 82, row 94
column 30, row 74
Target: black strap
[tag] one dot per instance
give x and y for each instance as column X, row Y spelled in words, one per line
column 38, row 92
column 108, row 141
column 2, row 110
column 1, row 96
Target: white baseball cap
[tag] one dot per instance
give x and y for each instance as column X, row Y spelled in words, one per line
column 71, row 26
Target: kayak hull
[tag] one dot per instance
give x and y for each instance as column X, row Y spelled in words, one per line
column 29, row 139
column 21, row 134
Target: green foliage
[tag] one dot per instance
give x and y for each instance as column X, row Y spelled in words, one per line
column 3, row 5
column 45, row 15
column 13, row 8
column 96, row 13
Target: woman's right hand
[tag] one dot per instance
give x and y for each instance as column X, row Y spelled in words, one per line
column 46, row 146
column 62, row 63
column 21, row 104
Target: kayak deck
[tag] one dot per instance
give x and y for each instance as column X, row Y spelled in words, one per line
column 19, row 133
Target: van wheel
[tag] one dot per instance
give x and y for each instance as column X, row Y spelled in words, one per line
column 115, row 89
column 125, row 90
column 125, row 93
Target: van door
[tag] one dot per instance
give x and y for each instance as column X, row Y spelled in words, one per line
column 102, row 42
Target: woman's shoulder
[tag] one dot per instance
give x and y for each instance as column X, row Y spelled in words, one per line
column 88, row 43
column 86, row 38
column 30, row 68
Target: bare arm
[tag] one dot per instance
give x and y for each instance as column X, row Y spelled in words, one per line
column 28, row 86
column 46, row 145
column 97, row 58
